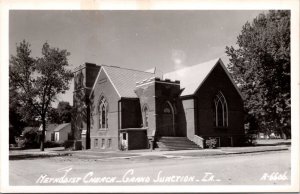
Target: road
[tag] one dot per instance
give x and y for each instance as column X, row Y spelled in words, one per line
column 242, row 169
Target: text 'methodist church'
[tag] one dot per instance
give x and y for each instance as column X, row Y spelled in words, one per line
column 123, row 109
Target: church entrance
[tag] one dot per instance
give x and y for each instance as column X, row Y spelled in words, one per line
column 167, row 126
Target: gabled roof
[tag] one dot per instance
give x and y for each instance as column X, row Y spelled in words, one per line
column 124, row 80
column 191, row 78
column 49, row 127
column 28, row 129
column 61, row 126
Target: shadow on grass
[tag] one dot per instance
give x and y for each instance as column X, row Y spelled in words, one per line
column 32, row 156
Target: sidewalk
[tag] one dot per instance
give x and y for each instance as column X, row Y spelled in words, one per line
column 141, row 154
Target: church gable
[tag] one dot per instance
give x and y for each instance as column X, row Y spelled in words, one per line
column 192, row 78
column 219, row 108
column 103, row 87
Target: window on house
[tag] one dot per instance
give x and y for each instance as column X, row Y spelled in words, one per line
column 145, row 116
column 96, row 143
column 221, row 111
column 109, row 143
column 103, row 143
column 103, row 113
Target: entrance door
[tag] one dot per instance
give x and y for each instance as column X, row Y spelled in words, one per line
column 167, row 125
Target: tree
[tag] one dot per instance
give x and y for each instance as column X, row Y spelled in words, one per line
column 261, row 67
column 64, row 110
column 53, row 116
column 63, row 113
column 38, row 81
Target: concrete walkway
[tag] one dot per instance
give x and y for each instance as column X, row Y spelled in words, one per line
column 108, row 155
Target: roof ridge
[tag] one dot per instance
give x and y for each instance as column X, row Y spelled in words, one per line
column 215, row 59
column 126, row 68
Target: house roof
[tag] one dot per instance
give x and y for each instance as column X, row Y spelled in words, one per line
column 28, row 129
column 49, row 127
column 61, row 126
column 123, row 79
column 191, row 78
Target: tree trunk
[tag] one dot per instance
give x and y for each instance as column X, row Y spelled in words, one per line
column 43, row 134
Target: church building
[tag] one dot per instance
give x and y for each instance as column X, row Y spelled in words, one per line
column 124, row 109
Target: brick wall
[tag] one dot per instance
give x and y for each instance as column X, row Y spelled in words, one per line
column 110, row 135
column 189, row 112
column 204, row 101
column 131, row 113
column 146, row 95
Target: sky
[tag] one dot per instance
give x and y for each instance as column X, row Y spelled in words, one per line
column 167, row 40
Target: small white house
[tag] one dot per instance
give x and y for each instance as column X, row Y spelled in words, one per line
column 61, row 132
column 57, row 132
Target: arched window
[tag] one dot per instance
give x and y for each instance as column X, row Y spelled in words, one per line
column 145, row 115
column 103, row 113
column 221, row 111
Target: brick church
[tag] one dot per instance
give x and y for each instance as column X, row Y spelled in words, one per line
column 123, row 109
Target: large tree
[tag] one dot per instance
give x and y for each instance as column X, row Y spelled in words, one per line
column 260, row 64
column 37, row 81
column 61, row 114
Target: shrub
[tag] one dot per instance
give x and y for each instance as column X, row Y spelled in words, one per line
column 21, row 142
column 211, row 143
column 51, row 144
column 250, row 139
column 72, row 145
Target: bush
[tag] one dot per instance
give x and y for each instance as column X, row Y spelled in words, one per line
column 52, row 144
column 72, row 145
column 21, row 142
column 250, row 140
column 211, row 143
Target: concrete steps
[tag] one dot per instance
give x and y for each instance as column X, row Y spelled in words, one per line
column 176, row 143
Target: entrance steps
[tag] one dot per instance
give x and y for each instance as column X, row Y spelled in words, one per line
column 175, row 143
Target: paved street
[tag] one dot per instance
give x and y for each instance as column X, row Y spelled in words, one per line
column 170, row 168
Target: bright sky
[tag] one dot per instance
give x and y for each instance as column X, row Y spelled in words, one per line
column 133, row 39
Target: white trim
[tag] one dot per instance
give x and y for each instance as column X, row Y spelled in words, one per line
column 232, row 81
column 102, row 67
column 162, row 82
column 227, row 73
column 224, row 113
column 112, row 82
column 95, row 83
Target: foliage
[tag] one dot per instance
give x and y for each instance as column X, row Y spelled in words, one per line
column 52, row 144
column 30, row 138
column 53, row 116
column 64, row 110
column 21, row 142
column 63, row 113
column 38, row 81
column 211, row 142
column 261, row 67
column 72, row 145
